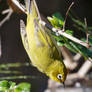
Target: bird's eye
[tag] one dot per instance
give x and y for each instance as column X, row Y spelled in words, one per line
column 59, row 76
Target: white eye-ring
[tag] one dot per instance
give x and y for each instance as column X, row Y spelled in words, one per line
column 59, row 76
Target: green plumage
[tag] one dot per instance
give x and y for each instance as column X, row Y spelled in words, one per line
column 40, row 46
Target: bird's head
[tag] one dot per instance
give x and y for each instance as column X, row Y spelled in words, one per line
column 57, row 71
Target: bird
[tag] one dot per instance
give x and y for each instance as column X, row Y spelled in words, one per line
column 40, row 45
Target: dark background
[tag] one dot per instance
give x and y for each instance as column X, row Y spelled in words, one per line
column 12, row 48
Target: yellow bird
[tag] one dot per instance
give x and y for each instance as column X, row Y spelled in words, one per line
column 40, row 46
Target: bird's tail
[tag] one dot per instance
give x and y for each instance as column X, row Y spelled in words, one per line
column 32, row 8
column 28, row 6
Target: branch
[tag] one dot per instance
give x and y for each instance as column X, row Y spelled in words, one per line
column 5, row 11
column 68, row 58
column 85, row 68
column 58, row 31
column 7, row 17
column 73, row 38
column 86, row 27
column 82, row 71
column 67, row 15
column 61, row 32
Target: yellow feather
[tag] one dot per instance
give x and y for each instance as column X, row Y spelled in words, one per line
column 40, row 46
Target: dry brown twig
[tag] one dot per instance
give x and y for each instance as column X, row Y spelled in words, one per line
column 67, row 15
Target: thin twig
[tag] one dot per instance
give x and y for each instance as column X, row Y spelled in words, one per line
column 86, row 27
column 61, row 32
column 6, row 18
column 67, row 15
column 5, row 11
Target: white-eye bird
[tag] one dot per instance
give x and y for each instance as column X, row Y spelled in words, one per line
column 40, row 45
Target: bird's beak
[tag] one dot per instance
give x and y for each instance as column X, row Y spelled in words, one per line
column 63, row 84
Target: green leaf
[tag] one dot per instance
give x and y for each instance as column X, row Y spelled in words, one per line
column 23, row 87
column 78, row 22
column 56, row 20
column 70, row 47
column 6, row 86
column 70, row 32
column 82, row 50
column 12, row 84
column 58, row 16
